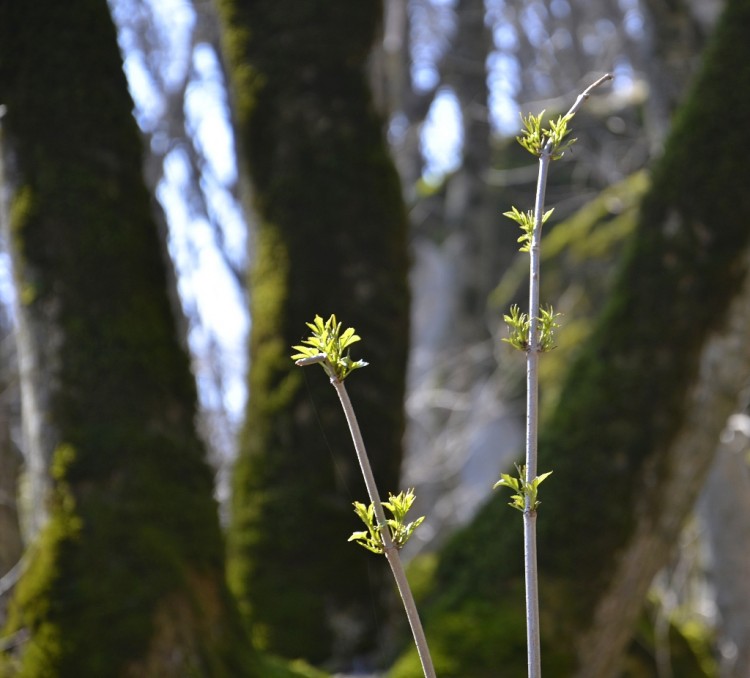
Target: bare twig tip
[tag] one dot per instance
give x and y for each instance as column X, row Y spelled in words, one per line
column 311, row 360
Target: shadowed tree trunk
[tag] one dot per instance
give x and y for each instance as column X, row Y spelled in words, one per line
column 636, row 427
column 331, row 238
column 675, row 37
column 126, row 576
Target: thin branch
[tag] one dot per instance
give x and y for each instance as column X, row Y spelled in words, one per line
column 311, row 360
column 390, row 550
column 11, row 577
column 532, row 396
column 583, row 96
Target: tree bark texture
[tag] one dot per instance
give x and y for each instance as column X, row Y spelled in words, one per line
column 331, row 238
column 126, row 577
column 634, row 433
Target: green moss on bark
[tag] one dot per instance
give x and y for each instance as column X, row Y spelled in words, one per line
column 331, row 239
column 624, row 399
column 128, row 573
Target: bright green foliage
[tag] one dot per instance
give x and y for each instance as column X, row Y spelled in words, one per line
column 522, row 488
column 526, row 221
column 547, row 326
column 398, row 505
column 536, row 139
column 327, row 340
column 519, row 327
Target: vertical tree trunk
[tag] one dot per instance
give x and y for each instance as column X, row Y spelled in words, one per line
column 331, row 238
column 126, row 577
column 675, row 39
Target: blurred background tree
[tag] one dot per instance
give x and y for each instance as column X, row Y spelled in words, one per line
column 331, row 238
column 125, row 570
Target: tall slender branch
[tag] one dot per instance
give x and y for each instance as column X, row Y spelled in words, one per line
column 533, row 334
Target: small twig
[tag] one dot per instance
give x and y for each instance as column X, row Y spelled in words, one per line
column 328, row 346
column 312, row 360
column 583, row 96
column 13, row 640
column 11, row 577
column 390, row 550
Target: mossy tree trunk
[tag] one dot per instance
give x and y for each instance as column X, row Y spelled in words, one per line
column 127, row 574
column 331, row 238
column 639, row 415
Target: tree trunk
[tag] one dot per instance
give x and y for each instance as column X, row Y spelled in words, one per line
column 331, row 238
column 634, row 433
column 674, row 43
column 126, row 577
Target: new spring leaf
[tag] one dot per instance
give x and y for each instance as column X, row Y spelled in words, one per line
column 526, row 221
column 552, row 139
column 522, row 488
column 329, row 346
column 398, row 506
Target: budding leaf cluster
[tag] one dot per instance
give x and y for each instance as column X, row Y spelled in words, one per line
column 537, row 140
column 329, row 346
column 522, row 488
column 547, row 326
column 398, row 506
column 519, row 329
column 526, row 221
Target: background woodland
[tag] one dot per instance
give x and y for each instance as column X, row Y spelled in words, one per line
column 185, row 183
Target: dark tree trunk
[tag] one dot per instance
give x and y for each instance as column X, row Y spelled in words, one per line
column 126, row 577
column 331, row 238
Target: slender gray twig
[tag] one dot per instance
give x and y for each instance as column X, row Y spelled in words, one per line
column 532, row 397
column 532, row 418
column 390, row 550
column 583, row 96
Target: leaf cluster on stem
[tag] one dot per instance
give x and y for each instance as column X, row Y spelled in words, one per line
column 329, row 347
column 533, row 333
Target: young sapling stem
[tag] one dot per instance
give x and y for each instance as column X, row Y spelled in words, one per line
column 390, row 550
column 329, row 347
column 533, row 334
